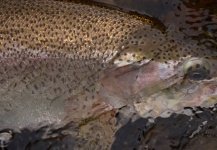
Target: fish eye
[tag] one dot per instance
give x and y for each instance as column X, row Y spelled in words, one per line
column 197, row 69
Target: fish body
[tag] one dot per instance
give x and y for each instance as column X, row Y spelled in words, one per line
column 66, row 61
column 51, row 52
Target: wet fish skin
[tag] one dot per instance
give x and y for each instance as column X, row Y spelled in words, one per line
column 52, row 51
column 59, row 58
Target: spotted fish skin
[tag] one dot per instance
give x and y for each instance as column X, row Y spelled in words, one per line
column 52, row 51
column 65, row 61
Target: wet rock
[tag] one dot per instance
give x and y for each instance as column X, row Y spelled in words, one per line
column 5, row 138
column 176, row 132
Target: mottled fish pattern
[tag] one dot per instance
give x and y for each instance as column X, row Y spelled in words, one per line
column 65, row 61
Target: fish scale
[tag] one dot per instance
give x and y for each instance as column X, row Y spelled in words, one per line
column 51, row 51
column 67, row 60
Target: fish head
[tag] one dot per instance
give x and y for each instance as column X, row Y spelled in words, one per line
column 157, row 71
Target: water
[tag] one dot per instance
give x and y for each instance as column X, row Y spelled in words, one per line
column 192, row 128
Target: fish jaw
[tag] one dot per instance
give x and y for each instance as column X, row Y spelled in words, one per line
column 126, row 83
column 204, row 95
column 154, row 87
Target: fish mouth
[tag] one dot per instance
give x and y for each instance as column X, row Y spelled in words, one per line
column 156, row 87
column 199, row 94
column 207, row 96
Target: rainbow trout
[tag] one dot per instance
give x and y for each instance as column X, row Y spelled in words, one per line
column 64, row 61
